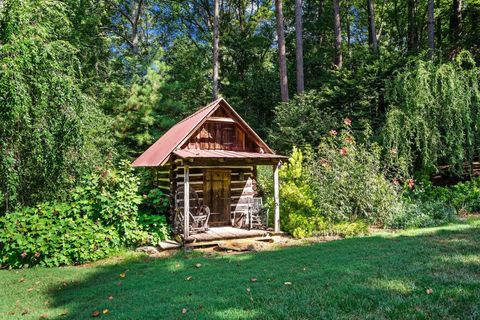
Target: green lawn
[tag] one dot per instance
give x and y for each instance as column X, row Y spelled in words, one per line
column 378, row 277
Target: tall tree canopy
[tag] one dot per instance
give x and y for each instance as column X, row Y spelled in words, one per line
column 67, row 68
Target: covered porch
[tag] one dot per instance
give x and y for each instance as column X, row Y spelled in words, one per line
column 228, row 189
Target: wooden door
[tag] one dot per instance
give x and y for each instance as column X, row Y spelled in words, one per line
column 216, row 195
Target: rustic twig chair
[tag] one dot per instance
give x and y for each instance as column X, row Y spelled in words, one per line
column 255, row 212
column 198, row 214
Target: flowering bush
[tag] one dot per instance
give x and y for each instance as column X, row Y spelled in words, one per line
column 348, row 181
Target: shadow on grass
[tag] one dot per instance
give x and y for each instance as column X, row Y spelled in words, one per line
column 372, row 277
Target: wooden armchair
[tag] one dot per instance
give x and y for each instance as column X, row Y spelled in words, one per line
column 198, row 214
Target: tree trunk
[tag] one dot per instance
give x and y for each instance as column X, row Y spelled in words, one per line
column 349, row 34
column 431, row 30
column 438, row 23
column 299, row 45
column 337, row 29
column 215, row 50
column 282, row 60
column 372, row 30
column 136, row 11
column 412, row 25
column 456, row 21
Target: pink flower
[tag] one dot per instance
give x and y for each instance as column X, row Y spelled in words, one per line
column 332, row 132
column 37, row 254
column 395, row 181
column 411, row 183
column 348, row 139
column 24, row 255
column 343, row 151
column 347, row 122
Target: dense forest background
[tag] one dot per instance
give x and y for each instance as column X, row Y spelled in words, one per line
column 85, row 83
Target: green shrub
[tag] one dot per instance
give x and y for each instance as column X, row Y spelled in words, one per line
column 421, row 214
column 50, row 235
column 349, row 229
column 110, row 197
column 156, row 202
column 101, row 216
column 156, row 226
column 462, row 196
column 347, row 179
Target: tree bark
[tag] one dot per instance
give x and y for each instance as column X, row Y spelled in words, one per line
column 438, row 24
column 215, row 50
column 412, row 25
column 337, row 29
column 299, row 45
column 431, row 30
column 282, row 60
column 136, row 11
column 372, row 30
column 456, row 20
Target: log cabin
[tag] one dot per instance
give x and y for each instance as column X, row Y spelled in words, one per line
column 214, row 153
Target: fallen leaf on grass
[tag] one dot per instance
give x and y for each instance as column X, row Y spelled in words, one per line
column 188, row 278
column 110, row 298
column 44, row 316
column 105, row 311
column 198, row 265
column 95, row 313
column 122, row 275
column 21, row 280
column 248, row 289
column 30, row 289
column 429, row 291
column 184, row 310
column 253, row 279
column 24, row 312
column 288, row 283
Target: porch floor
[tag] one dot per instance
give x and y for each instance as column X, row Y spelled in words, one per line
column 223, row 233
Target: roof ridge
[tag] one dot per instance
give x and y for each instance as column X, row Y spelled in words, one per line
column 198, row 111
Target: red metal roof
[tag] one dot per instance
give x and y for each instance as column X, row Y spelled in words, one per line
column 188, row 153
column 159, row 152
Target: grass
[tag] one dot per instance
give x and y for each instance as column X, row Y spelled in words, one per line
column 384, row 276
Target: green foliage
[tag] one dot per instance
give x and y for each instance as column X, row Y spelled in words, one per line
column 300, row 216
column 156, row 226
column 149, row 109
column 110, row 197
column 434, row 116
column 51, row 131
column 420, row 214
column 348, row 180
column 349, row 229
column 463, row 196
column 331, row 190
column 100, row 217
column 156, row 201
column 302, row 121
column 53, row 235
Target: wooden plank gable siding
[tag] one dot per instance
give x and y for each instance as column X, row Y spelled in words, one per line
column 221, row 136
column 242, row 184
column 221, row 132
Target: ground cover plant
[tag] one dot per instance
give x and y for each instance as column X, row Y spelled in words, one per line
column 100, row 217
column 419, row 274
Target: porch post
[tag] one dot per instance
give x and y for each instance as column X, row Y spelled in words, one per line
column 186, row 203
column 276, row 197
